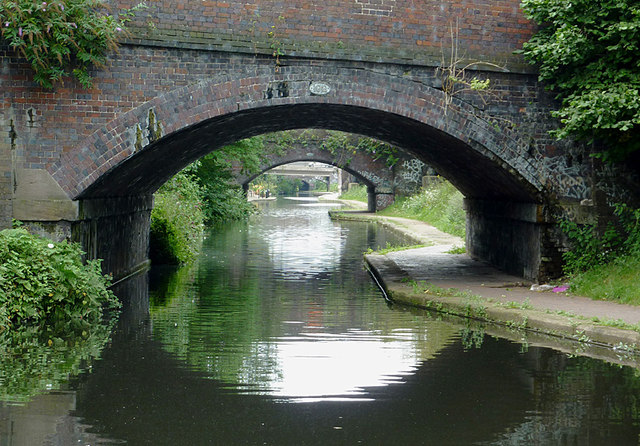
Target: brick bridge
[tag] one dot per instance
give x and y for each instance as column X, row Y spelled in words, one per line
column 197, row 75
column 382, row 178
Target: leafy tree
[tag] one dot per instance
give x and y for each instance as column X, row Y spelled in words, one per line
column 177, row 226
column 588, row 52
column 223, row 199
column 202, row 193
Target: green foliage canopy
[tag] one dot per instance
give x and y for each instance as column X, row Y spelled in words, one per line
column 224, row 200
column 588, row 52
column 344, row 146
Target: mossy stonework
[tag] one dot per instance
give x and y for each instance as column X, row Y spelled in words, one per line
column 178, row 89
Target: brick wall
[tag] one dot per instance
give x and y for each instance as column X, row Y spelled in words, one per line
column 6, row 210
column 407, row 31
column 52, row 123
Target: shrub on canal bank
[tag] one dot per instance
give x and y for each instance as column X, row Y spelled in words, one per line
column 46, row 283
column 177, row 221
column 618, row 280
column 606, row 266
column 357, row 192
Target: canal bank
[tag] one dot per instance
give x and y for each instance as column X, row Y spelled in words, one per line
column 433, row 278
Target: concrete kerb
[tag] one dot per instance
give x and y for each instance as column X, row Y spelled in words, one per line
column 611, row 342
column 621, row 345
column 426, row 235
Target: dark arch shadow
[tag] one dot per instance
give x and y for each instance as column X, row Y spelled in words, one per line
column 475, row 174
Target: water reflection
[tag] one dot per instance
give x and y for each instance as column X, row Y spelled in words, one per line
column 300, row 244
column 225, row 354
column 331, row 367
column 299, row 334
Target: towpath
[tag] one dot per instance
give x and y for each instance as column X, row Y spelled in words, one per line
column 433, row 278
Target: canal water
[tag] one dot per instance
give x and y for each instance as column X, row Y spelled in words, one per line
column 278, row 336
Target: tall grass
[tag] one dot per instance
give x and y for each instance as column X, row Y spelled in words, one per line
column 357, row 193
column 618, row 280
column 606, row 266
column 440, row 205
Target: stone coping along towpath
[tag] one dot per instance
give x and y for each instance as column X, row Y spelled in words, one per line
column 432, row 278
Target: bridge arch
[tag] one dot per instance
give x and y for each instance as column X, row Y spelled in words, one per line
column 489, row 163
column 383, row 177
column 371, row 185
column 459, row 141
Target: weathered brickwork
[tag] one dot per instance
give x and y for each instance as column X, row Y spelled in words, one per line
column 414, row 31
column 104, row 142
column 6, row 192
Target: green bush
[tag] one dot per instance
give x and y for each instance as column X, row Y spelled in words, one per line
column 357, row 193
column 606, row 266
column 439, row 205
column 224, row 199
column 225, row 202
column 590, row 249
column 47, row 283
column 287, row 186
column 586, row 52
column 177, row 221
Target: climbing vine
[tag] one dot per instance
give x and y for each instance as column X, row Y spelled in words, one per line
column 58, row 35
column 343, row 147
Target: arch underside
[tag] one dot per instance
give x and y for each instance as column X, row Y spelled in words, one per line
column 366, row 181
column 475, row 172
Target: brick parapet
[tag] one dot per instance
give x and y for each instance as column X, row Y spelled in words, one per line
column 399, row 31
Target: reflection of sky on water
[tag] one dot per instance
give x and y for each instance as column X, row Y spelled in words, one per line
column 327, row 367
column 301, row 320
column 302, row 244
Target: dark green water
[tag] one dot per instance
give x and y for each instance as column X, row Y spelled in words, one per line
column 278, row 336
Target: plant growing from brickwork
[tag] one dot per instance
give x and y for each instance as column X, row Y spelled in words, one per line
column 275, row 41
column 588, row 53
column 454, row 75
column 58, row 35
column 273, row 37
